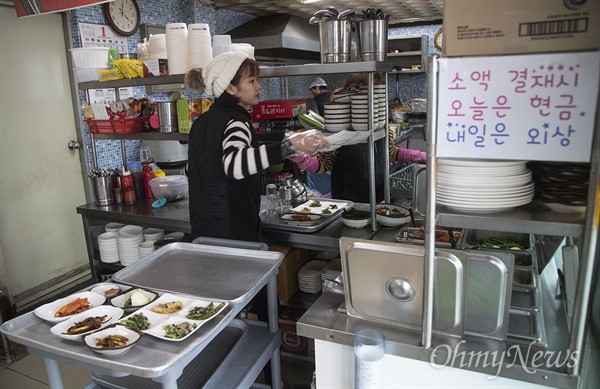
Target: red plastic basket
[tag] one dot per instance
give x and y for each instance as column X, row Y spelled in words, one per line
column 118, row 126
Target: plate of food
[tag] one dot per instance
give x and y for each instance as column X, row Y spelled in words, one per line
column 201, row 310
column 392, row 215
column 300, row 219
column 66, row 307
column 168, row 304
column 320, row 207
column 93, row 319
column 108, row 290
column 133, row 299
column 112, row 340
column 174, row 328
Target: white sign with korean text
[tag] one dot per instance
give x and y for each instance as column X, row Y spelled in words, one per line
column 524, row 107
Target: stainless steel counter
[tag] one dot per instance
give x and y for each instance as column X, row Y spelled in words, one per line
column 324, row 321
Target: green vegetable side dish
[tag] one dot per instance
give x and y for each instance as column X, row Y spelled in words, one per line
column 506, row 244
column 178, row 331
column 315, row 203
column 127, row 303
column 137, row 322
column 203, row 313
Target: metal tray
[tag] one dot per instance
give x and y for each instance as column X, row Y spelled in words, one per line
column 384, row 282
column 524, row 277
column 525, row 326
column 524, row 297
column 489, row 282
column 34, row 332
column 209, row 272
column 277, row 224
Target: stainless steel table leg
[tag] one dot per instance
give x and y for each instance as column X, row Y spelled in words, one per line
column 53, row 373
column 276, row 370
column 273, row 310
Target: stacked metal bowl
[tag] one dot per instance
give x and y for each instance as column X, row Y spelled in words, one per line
column 562, row 187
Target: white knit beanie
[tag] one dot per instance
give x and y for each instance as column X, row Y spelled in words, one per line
column 219, row 72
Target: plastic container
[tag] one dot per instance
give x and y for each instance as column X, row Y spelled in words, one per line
column 148, row 175
column 128, row 187
column 87, row 74
column 90, row 57
column 172, row 188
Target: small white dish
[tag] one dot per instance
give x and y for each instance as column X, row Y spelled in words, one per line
column 108, row 290
column 360, row 126
column 132, row 336
column 161, row 332
column 168, row 298
column 195, row 304
column 563, row 208
column 47, row 311
column 299, row 220
column 120, row 300
column 112, row 315
column 333, row 127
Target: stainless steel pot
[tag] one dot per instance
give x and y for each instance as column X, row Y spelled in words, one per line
column 373, row 39
column 335, row 37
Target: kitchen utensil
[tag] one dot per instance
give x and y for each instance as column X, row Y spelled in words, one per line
column 104, row 190
column 335, row 37
column 167, row 114
column 373, row 39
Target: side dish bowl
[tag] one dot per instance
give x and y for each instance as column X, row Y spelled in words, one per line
column 129, row 337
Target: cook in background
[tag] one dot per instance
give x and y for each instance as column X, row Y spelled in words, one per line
column 350, row 164
column 320, row 183
column 224, row 158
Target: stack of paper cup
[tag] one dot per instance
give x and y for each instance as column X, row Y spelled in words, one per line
column 221, row 44
column 145, row 248
column 177, row 48
column 244, row 48
column 199, row 44
column 157, row 46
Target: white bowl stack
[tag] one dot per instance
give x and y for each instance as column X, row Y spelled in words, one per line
column 153, row 234
column 113, row 227
column 130, row 237
column 337, row 117
column 177, row 48
column 380, row 95
column 145, row 248
column 309, row 277
column 175, row 235
column 199, row 44
column 359, row 108
column 109, row 247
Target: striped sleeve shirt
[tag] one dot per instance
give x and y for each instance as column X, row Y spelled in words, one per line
column 240, row 159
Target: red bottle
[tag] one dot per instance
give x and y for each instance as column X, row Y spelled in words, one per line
column 148, row 175
column 128, row 188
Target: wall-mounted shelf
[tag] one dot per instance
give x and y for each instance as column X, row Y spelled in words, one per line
column 405, row 52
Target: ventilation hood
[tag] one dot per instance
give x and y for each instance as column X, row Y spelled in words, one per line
column 280, row 36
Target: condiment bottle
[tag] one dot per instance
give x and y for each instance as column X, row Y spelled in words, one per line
column 138, row 179
column 128, row 187
column 148, row 175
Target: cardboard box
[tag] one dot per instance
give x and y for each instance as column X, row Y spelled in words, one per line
column 155, row 67
column 494, row 27
column 189, row 110
column 279, row 109
column 293, row 345
column 287, row 278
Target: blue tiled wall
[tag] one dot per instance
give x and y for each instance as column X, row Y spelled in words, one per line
column 159, row 12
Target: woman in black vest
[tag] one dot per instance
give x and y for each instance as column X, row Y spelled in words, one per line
column 224, row 159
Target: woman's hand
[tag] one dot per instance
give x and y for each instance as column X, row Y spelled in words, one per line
column 308, row 142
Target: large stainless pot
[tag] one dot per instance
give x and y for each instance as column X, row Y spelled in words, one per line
column 335, row 37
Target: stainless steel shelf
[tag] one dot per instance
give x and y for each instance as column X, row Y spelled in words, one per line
column 145, row 136
column 532, row 218
column 326, row 68
column 146, row 81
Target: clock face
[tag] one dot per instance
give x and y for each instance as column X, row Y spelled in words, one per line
column 438, row 39
column 123, row 16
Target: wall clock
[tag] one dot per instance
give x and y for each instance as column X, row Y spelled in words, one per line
column 438, row 39
column 123, row 16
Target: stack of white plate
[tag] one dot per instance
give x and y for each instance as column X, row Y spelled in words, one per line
column 360, row 112
column 153, row 234
column 199, row 44
column 145, row 248
column 483, row 186
column 109, row 247
column 177, row 48
column 331, row 271
column 130, row 238
column 309, row 277
column 113, row 227
column 337, row 117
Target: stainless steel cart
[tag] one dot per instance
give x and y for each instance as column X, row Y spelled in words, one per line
column 226, row 352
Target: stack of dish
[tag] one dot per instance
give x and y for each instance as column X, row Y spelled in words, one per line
column 129, row 239
column 562, row 187
column 483, row 185
column 109, row 247
column 337, row 117
column 331, row 271
column 113, row 227
column 153, row 234
column 145, row 248
column 360, row 111
column 309, row 277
